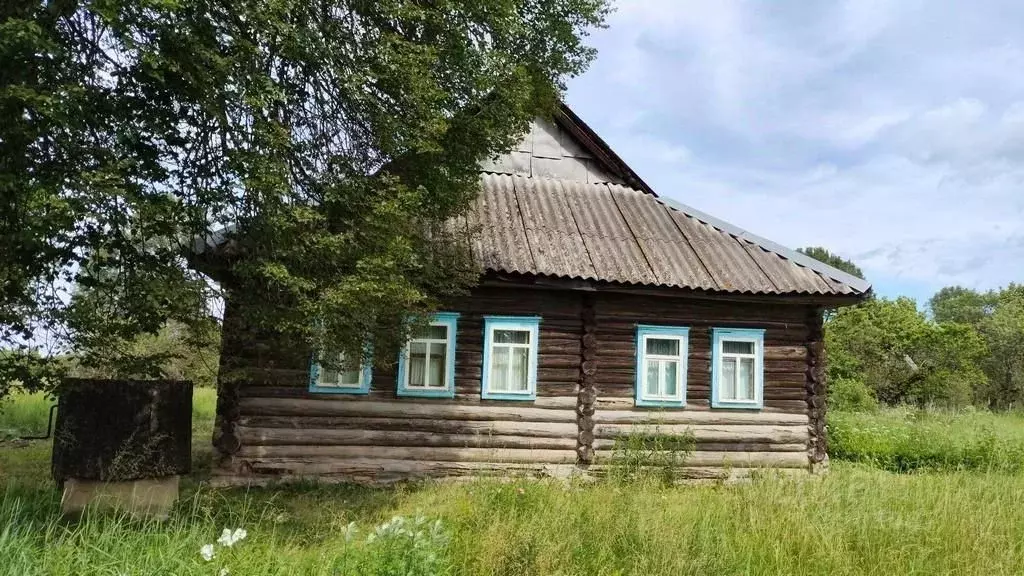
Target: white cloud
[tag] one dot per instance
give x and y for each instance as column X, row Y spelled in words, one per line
column 891, row 132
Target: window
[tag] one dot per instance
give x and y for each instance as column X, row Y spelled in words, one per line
column 510, row 357
column 737, row 370
column 661, row 356
column 426, row 367
column 339, row 379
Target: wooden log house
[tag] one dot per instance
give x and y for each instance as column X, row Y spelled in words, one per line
column 603, row 309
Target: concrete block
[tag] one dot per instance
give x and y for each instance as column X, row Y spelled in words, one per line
column 146, row 498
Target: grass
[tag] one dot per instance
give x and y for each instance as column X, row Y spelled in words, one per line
column 904, row 440
column 859, row 519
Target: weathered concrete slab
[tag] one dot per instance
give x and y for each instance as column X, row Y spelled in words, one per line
column 147, row 498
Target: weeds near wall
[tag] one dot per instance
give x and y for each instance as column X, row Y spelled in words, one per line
column 645, row 453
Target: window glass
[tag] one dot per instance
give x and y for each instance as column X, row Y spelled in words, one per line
column 663, row 346
column 735, row 347
column 662, row 357
column 427, row 358
column 511, row 337
column 738, row 374
column 510, row 352
column 745, row 379
column 728, row 378
column 339, row 376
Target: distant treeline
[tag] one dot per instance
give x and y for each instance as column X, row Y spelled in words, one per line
column 965, row 348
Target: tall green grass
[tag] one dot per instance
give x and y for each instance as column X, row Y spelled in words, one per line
column 24, row 415
column 949, row 518
column 906, row 440
column 854, row 521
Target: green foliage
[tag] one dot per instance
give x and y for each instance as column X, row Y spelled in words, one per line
column 903, row 357
column 172, row 353
column 962, row 305
column 1003, row 330
column 834, row 260
column 903, row 440
column 332, row 139
column 647, row 453
column 850, row 394
column 854, row 517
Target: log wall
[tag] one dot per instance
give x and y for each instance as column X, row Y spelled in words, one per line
column 731, row 440
column 269, row 426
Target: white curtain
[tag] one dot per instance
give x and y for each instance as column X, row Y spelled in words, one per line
column 417, row 363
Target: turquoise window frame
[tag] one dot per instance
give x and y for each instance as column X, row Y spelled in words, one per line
column 744, row 335
column 492, row 323
column 450, row 320
column 365, row 379
column 642, row 332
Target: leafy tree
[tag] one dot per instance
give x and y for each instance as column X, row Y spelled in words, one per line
column 902, row 357
column 963, row 305
column 336, row 139
column 834, row 260
column 172, row 353
column 1003, row 330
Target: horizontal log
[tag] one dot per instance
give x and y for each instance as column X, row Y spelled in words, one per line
column 740, row 459
column 775, row 393
column 330, row 437
column 447, row 411
column 499, row 427
column 691, row 416
column 684, row 473
column 381, row 470
column 776, row 434
column 511, row 455
column 726, row 446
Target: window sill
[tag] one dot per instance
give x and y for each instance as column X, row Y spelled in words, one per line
column 339, row 390
column 426, row 393
column 641, row 403
column 738, row 405
column 508, row 396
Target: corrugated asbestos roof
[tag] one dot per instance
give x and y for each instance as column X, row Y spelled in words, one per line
column 608, row 232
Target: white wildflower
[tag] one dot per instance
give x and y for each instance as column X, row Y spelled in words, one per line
column 223, row 572
column 350, row 531
column 229, row 538
column 207, row 552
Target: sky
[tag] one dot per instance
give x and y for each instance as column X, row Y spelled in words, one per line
column 889, row 132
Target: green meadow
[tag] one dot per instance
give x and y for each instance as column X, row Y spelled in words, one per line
column 908, row 493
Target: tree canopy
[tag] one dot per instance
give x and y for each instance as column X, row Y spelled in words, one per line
column 834, row 260
column 334, row 137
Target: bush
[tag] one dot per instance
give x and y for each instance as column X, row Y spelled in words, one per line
column 852, row 395
column 645, row 452
column 906, row 440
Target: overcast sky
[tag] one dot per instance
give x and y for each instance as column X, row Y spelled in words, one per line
column 891, row 132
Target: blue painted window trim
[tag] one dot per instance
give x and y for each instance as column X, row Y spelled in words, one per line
column 365, row 379
column 449, row 320
column 491, row 323
column 747, row 334
column 681, row 332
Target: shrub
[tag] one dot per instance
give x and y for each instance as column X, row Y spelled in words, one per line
column 852, row 395
column 906, row 440
column 648, row 453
